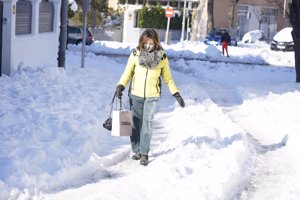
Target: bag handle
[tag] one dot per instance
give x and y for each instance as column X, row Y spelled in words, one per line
column 112, row 104
column 121, row 104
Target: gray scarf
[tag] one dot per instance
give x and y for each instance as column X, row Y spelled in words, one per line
column 150, row 59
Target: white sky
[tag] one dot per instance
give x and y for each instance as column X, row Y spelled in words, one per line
column 237, row 137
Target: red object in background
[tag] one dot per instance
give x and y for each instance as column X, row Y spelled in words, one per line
column 169, row 12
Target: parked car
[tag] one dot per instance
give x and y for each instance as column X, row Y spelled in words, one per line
column 214, row 37
column 283, row 40
column 253, row 36
column 75, row 35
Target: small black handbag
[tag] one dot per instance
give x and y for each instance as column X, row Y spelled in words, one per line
column 107, row 124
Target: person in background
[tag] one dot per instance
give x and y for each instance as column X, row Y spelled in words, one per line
column 146, row 64
column 225, row 40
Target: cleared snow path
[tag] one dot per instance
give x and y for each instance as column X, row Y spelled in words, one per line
column 188, row 151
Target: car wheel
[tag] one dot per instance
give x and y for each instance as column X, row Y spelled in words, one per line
column 78, row 42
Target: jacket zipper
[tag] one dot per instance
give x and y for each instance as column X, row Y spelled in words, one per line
column 145, row 83
column 131, row 85
column 157, row 86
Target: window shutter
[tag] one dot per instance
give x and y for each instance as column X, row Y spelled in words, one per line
column 23, row 17
column 46, row 16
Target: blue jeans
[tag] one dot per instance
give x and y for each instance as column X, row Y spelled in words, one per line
column 143, row 112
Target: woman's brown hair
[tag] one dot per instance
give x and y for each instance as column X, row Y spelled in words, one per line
column 152, row 34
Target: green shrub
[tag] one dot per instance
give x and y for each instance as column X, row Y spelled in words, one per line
column 154, row 17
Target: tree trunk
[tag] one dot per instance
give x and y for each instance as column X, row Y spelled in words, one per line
column 231, row 13
column 196, row 20
column 297, row 53
column 295, row 22
column 210, row 13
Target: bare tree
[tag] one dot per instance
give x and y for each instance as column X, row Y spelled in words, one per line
column 281, row 5
column 233, row 4
column 294, row 17
column 259, row 18
column 196, row 20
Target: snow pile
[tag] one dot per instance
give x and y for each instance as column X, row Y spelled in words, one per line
column 253, row 36
column 212, row 52
column 253, row 53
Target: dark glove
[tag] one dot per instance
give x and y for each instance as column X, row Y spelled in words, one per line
column 119, row 90
column 179, row 99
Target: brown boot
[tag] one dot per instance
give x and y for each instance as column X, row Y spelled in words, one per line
column 136, row 156
column 144, row 160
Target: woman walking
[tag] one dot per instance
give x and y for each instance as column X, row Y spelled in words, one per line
column 144, row 68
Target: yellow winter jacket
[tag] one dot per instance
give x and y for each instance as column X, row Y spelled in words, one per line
column 145, row 81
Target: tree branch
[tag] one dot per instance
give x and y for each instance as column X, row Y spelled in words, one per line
column 281, row 6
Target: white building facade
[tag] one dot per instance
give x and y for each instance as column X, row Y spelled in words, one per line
column 29, row 33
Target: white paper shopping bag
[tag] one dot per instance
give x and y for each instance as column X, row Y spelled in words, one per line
column 121, row 123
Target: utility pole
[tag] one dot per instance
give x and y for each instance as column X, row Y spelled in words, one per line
column 63, row 34
column 86, row 9
column 183, row 24
column 188, row 20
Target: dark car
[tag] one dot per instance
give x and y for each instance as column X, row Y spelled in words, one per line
column 75, row 35
column 283, row 40
column 214, row 37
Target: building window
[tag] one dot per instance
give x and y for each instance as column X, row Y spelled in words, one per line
column 243, row 16
column 152, row 3
column 131, row 1
column 268, row 12
column 46, row 16
column 269, row 25
column 242, row 10
column 141, row 2
column 162, row 3
column 174, row 4
column 195, row 5
column 23, row 17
